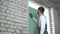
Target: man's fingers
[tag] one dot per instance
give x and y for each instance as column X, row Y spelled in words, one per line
column 31, row 15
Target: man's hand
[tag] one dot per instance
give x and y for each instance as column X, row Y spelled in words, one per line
column 31, row 15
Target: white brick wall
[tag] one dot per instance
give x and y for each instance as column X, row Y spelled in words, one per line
column 13, row 16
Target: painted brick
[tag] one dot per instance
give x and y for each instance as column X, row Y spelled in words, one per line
column 17, row 30
column 16, row 33
column 3, row 10
column 11, row 16
column 2, row 6
column 3, row 21
column 10, row 30
column 2, row 17
column 21, row 28
column 2, row 25
column 2, row 13
column 11, row 19
column 25, row 32
column 5, row 33
column 19, row 24
column 12, row 26
column 2, row 29
column 14, row 15
column 7, row 25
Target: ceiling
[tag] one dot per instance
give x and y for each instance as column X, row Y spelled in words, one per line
column 56, row 2
column 51, row 2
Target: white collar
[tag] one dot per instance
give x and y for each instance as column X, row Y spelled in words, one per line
column 41, row 15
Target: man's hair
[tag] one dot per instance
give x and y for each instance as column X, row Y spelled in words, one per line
column 41, row 9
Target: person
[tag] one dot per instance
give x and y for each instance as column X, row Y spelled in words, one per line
column 41, row 22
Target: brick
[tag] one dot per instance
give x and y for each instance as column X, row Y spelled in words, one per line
column 11, row 16
column 18, row 18
column 25, row 14
column 10, row 30
column 2, row 28
column 1, row 3
column 10, row 6
column 24, row 22
column 3, row 10
column 5, row 33
column 25, row 28
column 12, row 26
column 2, row 6
column 11, row 9
column 0, row 9
column 16, row 33
column 10, row 0
column 11, row 19
column 11, row 23
column 25, row 25
column 17, row 30
column 14, row 12
column 25, row 1
column 21, row 28
column 3, row 21
column 25, row 32
column 8, row 12
column 7, row 25
column 2, row 13
column 2, row 33
column 2, row 24
column 5, row 3
column 2, row 17
column 18, row 8
column 24, row 5
column 19, row 24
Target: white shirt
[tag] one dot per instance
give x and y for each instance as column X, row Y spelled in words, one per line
column 41, row 23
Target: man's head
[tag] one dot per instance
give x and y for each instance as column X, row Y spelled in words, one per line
column 40, row 10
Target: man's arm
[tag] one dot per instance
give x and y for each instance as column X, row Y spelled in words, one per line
column 31, row 15
column 35, row 20
column 43, row 22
